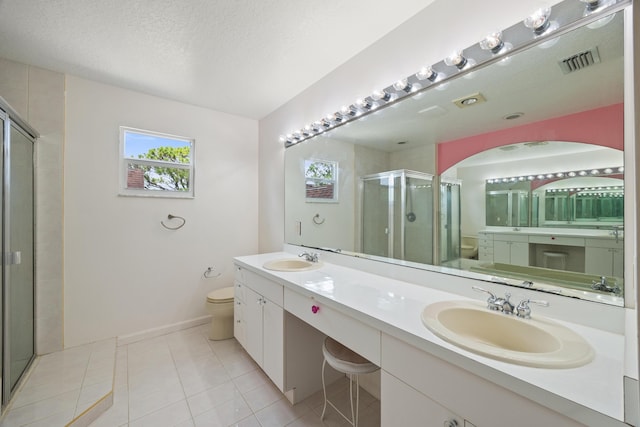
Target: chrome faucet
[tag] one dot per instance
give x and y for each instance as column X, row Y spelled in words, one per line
column 497, row 303
column 491, row 301
column 524, row 311
column 504, row 304
column 615, row 231
column 310, row 256
column 603, row 286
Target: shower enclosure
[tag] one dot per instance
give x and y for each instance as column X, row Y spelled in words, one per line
column 450, row 222
column 397, row 215
column 17, row 140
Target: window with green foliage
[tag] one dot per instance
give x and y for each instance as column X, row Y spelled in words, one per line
column 155, row 164
column 321, row 179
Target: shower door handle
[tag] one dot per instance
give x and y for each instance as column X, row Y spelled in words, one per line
column 13, row 258
column 386, row 230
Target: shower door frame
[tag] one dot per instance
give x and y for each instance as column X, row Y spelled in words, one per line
column 12, row 119
column 391, row 175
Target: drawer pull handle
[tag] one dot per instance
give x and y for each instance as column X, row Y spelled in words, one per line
column 315, row 309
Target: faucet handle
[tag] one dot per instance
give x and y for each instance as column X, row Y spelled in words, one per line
column 491, row 301
column 310, row 256
column 524, row 311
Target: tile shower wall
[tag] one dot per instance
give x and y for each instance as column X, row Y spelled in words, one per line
column 38, row 96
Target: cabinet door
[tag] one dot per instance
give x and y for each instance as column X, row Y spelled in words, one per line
column 519, row 253
column 253, row 324
column 502, row 252
column 273, row 340
column 404, row 405
column 598, row 261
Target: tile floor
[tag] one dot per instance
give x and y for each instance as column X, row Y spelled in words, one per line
column 183, row 379
column 61, row 386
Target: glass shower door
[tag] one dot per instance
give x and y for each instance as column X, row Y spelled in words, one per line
column 19, row 260
column 375, row 216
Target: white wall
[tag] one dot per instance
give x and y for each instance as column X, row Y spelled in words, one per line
column 336, row 228
column 124, row 272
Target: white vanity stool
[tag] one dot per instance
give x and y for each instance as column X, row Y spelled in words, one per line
column 561, row 257
column 349, row 362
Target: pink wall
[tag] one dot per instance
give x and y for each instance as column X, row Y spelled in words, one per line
column 601, row 126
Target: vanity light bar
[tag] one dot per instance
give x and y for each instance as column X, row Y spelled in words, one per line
column 617, row 170
column 542, row 24
column 595, row 189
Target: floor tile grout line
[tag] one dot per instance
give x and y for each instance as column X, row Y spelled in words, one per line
column 84, row 376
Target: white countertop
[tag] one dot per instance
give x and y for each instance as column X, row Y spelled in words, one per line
column 590, row 233
column 394, row 307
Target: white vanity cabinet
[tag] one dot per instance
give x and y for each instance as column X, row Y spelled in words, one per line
column 259, row 318
column 604, row 257
column 485, row 247
column 406, row 405
column 429, row 391
column 511, row 249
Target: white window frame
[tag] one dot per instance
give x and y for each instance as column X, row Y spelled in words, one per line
column 144, row 192
column 334, row 181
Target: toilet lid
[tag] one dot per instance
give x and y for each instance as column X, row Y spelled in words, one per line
column 221, row 295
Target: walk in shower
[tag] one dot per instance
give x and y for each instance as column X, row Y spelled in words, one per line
column 18, row 350
column 397, row 215
column 450, row 223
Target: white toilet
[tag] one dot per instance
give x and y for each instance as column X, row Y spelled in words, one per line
column 220, row 307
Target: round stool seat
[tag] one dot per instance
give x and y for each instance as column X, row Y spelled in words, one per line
column 344, row 359
column 347, row 361
column 560, row 256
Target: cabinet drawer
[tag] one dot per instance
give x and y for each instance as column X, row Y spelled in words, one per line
column 238, row 292
column 265, row 287
column 511, row 237
column 557, row 240
column 359, row 337
column 485, row 242
column 485, row 253
column 605, row 243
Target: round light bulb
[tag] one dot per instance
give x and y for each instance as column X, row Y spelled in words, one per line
column 456, row 59
column 538, row 21
column 493, row 42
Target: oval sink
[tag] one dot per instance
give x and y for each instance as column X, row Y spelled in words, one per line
column 530, row 342
column 291, row 264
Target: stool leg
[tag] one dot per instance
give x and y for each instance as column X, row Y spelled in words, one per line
column 357, row 401
column 354, row 421
column 324, row 390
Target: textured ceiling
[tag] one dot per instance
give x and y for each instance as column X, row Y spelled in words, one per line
column 245, row 57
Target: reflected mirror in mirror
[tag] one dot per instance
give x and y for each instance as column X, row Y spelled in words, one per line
column 534, row 118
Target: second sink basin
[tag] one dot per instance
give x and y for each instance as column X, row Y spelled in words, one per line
column 291, row 264
column 530, row 342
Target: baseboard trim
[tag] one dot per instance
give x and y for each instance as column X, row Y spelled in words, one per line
column 162, row 330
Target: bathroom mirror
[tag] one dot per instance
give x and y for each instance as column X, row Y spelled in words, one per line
column 525, row 115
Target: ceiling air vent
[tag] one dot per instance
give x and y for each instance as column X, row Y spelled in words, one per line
column 579, row 60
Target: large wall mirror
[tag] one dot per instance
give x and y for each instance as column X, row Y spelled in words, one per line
column 512, row 172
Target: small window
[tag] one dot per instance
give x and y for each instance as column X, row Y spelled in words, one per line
column 321, row 179
column 155, row 164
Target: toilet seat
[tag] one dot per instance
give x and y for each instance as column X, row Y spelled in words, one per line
column 220, row 296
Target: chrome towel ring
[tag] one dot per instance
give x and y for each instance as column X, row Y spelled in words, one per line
column 318, row 220
column 170, row 217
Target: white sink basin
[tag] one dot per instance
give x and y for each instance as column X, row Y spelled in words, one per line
column 530, row 342
column 291, row 264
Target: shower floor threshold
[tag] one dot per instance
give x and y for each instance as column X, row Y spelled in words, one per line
column 68, row 388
